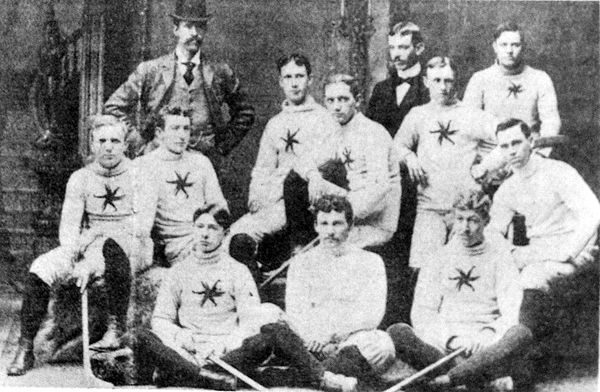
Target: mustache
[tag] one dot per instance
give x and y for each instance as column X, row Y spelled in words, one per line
column 397, row 58
column 193, row 39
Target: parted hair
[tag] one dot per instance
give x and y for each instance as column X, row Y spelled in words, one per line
column 159, row 121
column 298, row 59
column 349, row 80
column 406, row 28
column 104, row 120
column 222, row 217
column 474, row 200
column 508, row 26
column 328, row 203
column 512, row 122
column 440, row 62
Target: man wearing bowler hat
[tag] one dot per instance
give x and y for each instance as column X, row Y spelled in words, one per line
column 185, row 78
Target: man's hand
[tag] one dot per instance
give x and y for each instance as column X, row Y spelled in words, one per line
column 254, row 205
column 376, row 354
column 83, row 272
column 415, row 170
column 470, row 345
column 185, row 339
column 316, row 349
column 318, row 187
column 477, row 172
column 85, row 240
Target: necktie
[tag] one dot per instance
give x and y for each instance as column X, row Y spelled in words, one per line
column 188, row 76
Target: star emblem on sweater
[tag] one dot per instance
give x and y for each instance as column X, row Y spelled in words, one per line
column 444, row 132
column 181, row 183
column 109, row 197
column 290, row 140
column 514, row 89
column 209, row 293
column 347, row 157
column 464, row 278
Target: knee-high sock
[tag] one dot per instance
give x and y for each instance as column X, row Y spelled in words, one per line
column 35, row 306
column 411, row 349
column 534, row 312
column 298, row 217
column 151, row 352
column 483, row 365
column 118, row 278
column 349, row 362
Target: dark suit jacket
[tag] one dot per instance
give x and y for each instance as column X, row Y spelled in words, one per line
column 149, row 87
column 382, row 105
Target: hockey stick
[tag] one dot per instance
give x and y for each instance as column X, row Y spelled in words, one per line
column 286, row 264
column 424, row 371
column 233, row 371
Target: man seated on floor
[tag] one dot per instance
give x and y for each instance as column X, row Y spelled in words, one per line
column 294, row 143
column 181, row 181
column 209, row 305
column 467, row 297
column 439, row 142
column 109, row 197
column 561, row 212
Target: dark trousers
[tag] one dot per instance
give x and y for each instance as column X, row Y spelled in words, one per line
column 275, row 338
column 497, row 360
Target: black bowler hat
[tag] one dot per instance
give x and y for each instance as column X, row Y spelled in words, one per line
column 191, row 11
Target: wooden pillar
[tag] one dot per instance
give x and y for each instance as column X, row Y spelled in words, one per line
column 91, row 88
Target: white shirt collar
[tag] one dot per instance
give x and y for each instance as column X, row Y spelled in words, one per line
column 411, row 72
column 181, row 57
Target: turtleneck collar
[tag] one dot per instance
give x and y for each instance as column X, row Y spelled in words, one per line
column 166, row 155
column 530, row 167
column 335, row 251
column 211, row 257
column 504, row 71
column 476, row 250
column 455, row 102
column 114, row 171
column 308, row 105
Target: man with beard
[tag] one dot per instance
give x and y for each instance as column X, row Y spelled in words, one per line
column 104, row 231
column 439, row 143
column 208, row 305
column 188, row 80
column 390, row 102
column 512, row 89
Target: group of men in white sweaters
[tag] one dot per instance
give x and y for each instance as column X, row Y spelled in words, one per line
column 475, row 290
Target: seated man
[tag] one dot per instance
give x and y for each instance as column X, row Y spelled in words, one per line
column 561, row 212
column 467, row 296
column 209, row 305
column 108, row 195
column 297, row 141
column 365, row 148
column 439, row 142
column 182, row 180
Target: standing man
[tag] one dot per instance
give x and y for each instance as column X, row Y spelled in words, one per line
column 390, row 102
column 512, row 89
column 187, row 79
column 181, row 181
column 294, row 143
column 562, row 214
column 439, row 142
column 393, row 98
column 108, row 195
